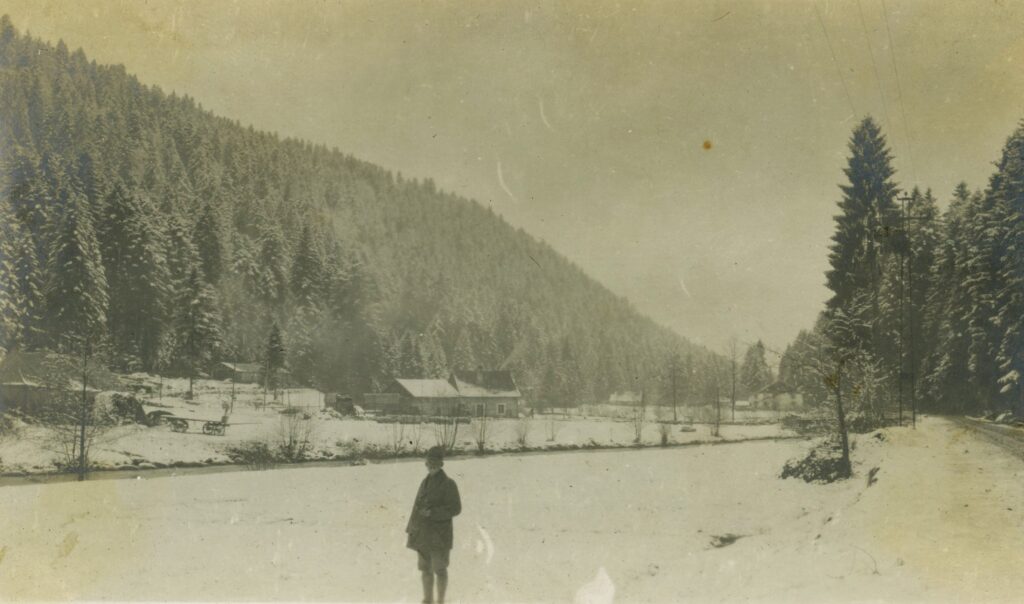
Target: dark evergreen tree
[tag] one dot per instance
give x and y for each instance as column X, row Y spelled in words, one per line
column 866, row 219
column 197, row 327
column 76, row 284
column 275, row 355
column 1007, row 190
column 209, row 244
column 755, row 373
column 139, row 280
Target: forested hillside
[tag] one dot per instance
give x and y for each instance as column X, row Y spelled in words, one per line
column 927, row 306
column 136, row 222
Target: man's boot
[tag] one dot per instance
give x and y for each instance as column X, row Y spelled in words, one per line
column 428, row 587
column 442, row 585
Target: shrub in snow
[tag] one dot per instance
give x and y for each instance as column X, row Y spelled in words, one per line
column 8, row 425
column 253, row 454
column 294, row 437
column 126, row 408
column 823, row 464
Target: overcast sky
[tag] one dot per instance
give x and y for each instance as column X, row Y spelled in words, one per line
column 685, row 154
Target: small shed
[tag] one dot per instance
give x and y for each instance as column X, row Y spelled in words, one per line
column 243, row 373
column 487, row 393
column 25, row 385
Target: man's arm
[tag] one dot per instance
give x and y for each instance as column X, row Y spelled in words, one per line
column 451, row 506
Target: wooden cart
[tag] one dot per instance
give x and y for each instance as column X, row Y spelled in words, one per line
column 212, row 427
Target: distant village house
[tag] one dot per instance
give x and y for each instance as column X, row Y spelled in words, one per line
column 475, row 393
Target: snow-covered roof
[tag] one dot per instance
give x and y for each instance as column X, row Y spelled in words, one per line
column 626, row 398
column 484, row 384
column 244, row 367
column 428, row 388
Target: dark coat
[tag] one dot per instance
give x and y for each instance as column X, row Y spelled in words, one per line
column 440, row 495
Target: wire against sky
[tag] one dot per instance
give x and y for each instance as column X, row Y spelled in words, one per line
column 874, row 65
column 899, row 91
column 835, row 62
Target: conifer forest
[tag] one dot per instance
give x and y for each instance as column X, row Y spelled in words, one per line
column 140, row 225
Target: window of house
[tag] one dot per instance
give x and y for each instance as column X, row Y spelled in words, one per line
column 480, row 409
column 501, row 409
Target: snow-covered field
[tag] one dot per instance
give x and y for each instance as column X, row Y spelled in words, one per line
column 941, row 523
column 137, row 446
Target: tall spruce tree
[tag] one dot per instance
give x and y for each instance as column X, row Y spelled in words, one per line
column 945, row 382
column 866, row 217
column 139, row 279
column 754, row 372
column 198, row 331
column 1007, row 190
column 76, row 284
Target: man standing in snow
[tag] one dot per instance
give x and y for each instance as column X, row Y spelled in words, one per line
column 430, row 524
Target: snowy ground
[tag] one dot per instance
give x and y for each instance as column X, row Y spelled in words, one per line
column 942, row 523
column 136, row 446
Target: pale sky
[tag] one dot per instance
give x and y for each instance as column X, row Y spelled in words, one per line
column 585, row 122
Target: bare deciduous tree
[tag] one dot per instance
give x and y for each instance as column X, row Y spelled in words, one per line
column 480, row 428
column 523, row 431
column 295, row 436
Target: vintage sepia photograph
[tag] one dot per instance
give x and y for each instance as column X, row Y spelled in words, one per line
column 517, row 301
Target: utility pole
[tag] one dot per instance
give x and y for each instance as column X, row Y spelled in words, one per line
column 732, row 346
column 675, row 370
column 911, row 339
column 85, row 408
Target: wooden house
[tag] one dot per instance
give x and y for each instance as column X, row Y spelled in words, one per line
column 487, row 393
column 422, row 397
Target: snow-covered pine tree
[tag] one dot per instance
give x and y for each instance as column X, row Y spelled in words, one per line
column 307, row 274
column 139, row 278
column 754, row 372
column 197, row 326
column 945, row 382
column 1007, row 189
column 866, row 215
column 986, row 232
column 76, row 284
column 208, row 237
column 274, row 357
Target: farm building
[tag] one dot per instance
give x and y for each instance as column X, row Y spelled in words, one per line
column 422, row 397
column 477, row 393
column 24, row 382
column 243, row 373
column 490, row 393
column 778, row 396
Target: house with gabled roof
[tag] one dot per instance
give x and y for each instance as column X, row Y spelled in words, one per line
column 487, row 393
column 475, row 393
column 420, row 396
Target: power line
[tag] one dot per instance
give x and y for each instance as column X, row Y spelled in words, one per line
column 874, row 64
column 835, row 62
column 899, row 90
